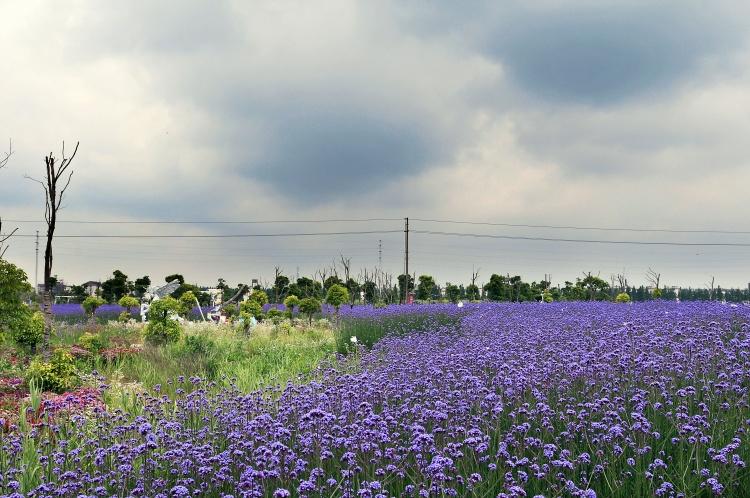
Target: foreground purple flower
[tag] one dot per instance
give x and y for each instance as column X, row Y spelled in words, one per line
column 564, row 399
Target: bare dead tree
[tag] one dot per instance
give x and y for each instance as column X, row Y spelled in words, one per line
column 323, row 274
column 653, row 278
column 56, row 182
column 276, row 273
column 622, row 280
column 710, row 287
column 474, row 276
column 4, row 237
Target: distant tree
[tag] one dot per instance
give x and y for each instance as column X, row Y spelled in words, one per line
column 91, row 304
column 354, row 289
column 79, row 293
column 259, row 297
column 336, row 296
column 280, row 286
column 405, row 284
column 452, row 292
column 141, row 285
column 116, row 287
column 472, row 292
column 290, row 303
column 55, row 184
column 498, row 288
column 309, row 306
column 5, row 237
column 370, row 289
column 330, row 281
column 175, row 276
column 622, row 297
column 187, row 301
column 596, row 287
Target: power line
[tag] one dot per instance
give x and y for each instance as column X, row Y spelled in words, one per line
column 219, row 236
column 207, row 222
column 571, row 227
column 587, row 241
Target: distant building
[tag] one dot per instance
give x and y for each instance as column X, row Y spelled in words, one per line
column 92, row 288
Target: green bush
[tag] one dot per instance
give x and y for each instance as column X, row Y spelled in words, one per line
column 547, row 297
column 92, row 342
column 337, row 295
column 129, row 302
column 199, row 345
column 309, row 306
column 251, row 308
column 290, row 303
column 622, row 297
column 28, row 329
column 259, row 297
column 187, row 303
column 657, row 293
column 91, row 303
column 58, row 375
column 124, row 317
column 162, row 332
column 276, row 316
column 380, row 304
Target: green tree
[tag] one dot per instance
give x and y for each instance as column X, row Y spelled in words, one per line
column 309, row 306
column 354, row 289
column 13, row 287
column 116, row 287
column 405, row 283
column 175, row 276
column 280, row 286
column 452, row 292
column 91, row 304
column 28, row 331
column 622, row 297
column 290, row 303
column 472, row 292
column 141, row 285
column 498, row 288
column 330, row 281
column 79, row 293
column 187, row 303
column 336, row 296
column 129, row 302
column 370, row 289
column 259, row 297
column 162, row 328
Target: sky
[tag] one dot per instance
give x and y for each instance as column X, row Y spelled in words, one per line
column 576, row 113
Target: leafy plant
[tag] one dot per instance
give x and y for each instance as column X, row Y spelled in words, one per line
column 92, row 342
column 162, row 328
column 309, row 306
column 259, row 297
column 290, row 303
column 337, row 295
column 129, row 302
column 28, row 330
column 622, row 297
column 91, row 303
column 59, row 374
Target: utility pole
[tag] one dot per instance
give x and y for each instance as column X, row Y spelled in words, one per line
column 380, row 254
column 36, row 268
column 406, row 260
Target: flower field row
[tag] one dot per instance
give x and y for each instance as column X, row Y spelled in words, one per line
column 563, row 399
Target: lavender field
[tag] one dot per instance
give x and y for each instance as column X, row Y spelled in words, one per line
column 562, row 399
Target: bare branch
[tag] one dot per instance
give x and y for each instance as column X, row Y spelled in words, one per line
column 6, row 155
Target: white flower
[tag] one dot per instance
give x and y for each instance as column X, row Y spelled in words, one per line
column 460, row 304
column 353, row 339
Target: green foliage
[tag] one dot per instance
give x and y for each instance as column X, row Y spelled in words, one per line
column 425, row 287
column 158, row 333
column 116, row 287
column 622, row 297
column 59, row 374
column 13, row 286
column 129, row 302
column 547, row 297
column 91, row 304
column 452, row 293
column 29, row 330
column 161, row 327
column 472, row 292
column 175, row 276
column 290, row 303
column 309, row 306
column 251, row 308
column 337, row 295
column 656, row 293
column 276, row 316
column 187, row 303
column 124, row 317
column 259, row 297
column 91, row 341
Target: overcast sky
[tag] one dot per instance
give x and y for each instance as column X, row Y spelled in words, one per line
column 575, row 113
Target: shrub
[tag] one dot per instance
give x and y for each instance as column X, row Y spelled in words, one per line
column 162, row 332
column 91, row 303
column 337, row 295
column 309, row 306
column 129, row 302
column 58, row 375
column 162, row 328
column 290, row 303
column 276, row 316
column 380, row 304
column 547, row 297
column 251, row 308
column 622, row 297
column 657, row 293
column 92, row 342
column 187, row 303
column 28, row 330
column 259, row 297
column 124, row 317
